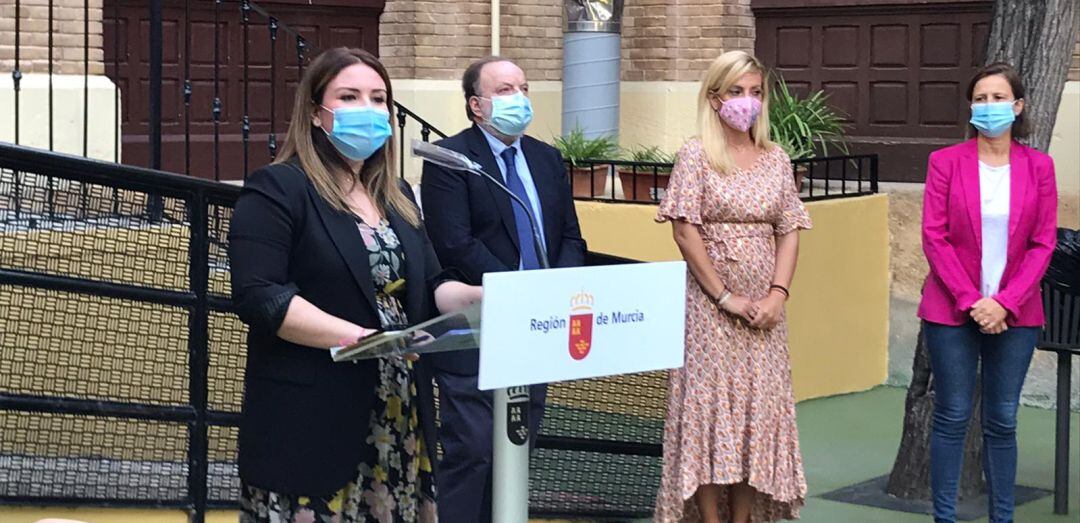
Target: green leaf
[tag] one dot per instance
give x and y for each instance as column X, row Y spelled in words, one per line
column 805, row 126
column 576, row 148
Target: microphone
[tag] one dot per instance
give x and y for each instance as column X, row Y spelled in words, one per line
column 456, row 161
column 444, row 157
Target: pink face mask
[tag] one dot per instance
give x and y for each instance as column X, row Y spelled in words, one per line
column 741, row 112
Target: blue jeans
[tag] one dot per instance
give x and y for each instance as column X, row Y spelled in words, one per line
column 954, row 358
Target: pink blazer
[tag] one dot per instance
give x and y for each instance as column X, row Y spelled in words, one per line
column 952, row 234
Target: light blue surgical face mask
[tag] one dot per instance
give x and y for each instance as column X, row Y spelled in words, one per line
column 359, row 131
column 511, row 114
column 993, row 119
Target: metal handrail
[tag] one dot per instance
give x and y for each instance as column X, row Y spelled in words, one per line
column 864, row 166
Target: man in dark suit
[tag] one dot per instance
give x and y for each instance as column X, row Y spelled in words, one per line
column 476, row 228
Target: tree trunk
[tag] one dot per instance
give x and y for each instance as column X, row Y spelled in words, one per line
column 1037, row 38
column 910, row 476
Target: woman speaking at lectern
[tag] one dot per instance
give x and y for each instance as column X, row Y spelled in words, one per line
column 327, row 246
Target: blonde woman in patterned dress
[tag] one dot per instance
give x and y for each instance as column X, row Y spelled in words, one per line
column 731, row 448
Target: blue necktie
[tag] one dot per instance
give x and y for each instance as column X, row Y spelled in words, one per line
column 521, row 220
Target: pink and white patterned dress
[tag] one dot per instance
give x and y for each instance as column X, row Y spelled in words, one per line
column 731, row 410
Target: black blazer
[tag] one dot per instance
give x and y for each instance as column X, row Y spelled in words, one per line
column 305, row 418
column 471, row 221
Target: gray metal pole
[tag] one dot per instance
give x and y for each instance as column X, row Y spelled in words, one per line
column 510, row 474
column 155, row 83
column 1061, row 442
column 593, row 40
column 590, row 94
column 591, row 67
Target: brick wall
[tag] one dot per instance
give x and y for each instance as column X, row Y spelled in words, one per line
column 675, row 40
column 68, row 36
column 433, row 39
column 532, row 36
column 438, row 39
column 662, row 39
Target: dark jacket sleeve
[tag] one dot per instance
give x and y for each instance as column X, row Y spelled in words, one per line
column 260, row 243
column 572, row 250
column 445, row 194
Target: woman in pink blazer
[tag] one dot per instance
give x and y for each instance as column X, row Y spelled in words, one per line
column 989, row 222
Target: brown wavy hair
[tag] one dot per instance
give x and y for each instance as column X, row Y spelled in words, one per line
column 319, row 158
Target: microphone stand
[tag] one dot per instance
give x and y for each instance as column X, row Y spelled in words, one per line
column 538, row 242
column 510, row 409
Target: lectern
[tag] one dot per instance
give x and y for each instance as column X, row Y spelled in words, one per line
column 548, row 326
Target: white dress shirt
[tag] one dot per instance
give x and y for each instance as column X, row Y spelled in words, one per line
column 994, row 186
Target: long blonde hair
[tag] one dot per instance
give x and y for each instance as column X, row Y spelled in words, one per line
column 317, row 155
column 727, row 69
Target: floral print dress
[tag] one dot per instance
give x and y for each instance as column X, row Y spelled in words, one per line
column 731, row 408
column 398, row 487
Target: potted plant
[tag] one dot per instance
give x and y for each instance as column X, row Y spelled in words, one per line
column 804, row 127
column 577, row 149
column 646, row 183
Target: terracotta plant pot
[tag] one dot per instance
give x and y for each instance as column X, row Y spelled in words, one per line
column 589, row 183
column 642, row 183
column 800, row 172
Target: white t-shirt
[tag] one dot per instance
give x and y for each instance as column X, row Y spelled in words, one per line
column 994, row 197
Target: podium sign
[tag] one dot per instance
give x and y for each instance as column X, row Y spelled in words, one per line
column 567, row 324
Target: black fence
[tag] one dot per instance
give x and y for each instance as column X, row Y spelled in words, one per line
column 208, row 118
column 121, row 362
column 828, row 177
column 820, row 178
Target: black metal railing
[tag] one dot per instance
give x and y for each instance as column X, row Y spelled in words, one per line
column 618, row 180
column 205, row 148
column 829, row 177
column 108, row 322
column 646, row 182
column 172, row 143
column 121, row 362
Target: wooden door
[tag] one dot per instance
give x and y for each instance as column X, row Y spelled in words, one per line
column 898, row 71
column 188, row 121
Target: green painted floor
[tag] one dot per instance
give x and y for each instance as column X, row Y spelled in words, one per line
column 848, row 439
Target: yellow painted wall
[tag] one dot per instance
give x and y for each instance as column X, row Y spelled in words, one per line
column 839, row 310
column 1065, row 149
column 1065, row 143
column 108, row 515
column 663, row 114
